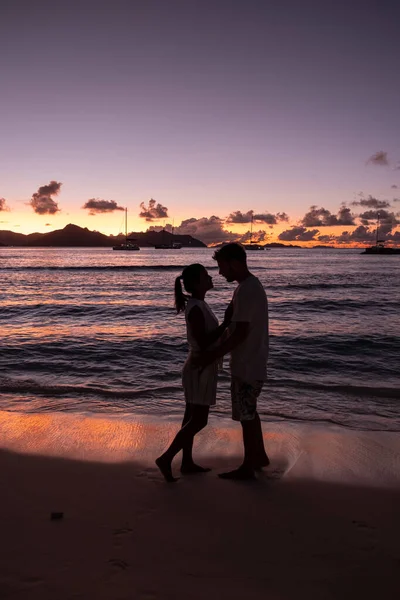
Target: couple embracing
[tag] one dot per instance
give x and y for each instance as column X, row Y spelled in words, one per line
column 244, row 335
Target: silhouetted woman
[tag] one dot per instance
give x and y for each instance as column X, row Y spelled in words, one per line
column 199, row 383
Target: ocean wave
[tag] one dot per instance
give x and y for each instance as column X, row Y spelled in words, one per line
column 354, row 390
column 327, row 286
column 344, row 304
column 28, row 386
column 102, row 268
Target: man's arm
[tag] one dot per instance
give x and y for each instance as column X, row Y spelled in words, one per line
column 236, row 338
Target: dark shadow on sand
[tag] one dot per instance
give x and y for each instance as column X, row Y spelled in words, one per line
column 125, row 533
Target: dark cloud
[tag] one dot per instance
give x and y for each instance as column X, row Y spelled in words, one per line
column 372, row 202
column 384, row 216
column 379, row 158
column 282, row 216
column 238, row 217
column 326, row 238
column 257, row 236
column 322, row 217
column 396, row 199
column 47, row 224
column 361, row 234
column 298, row 234
column 42, row 201
column 208, row 230
column 3, row 205
column 394, row 186
column 97, row 205
column 154, row 211
column 394, row 237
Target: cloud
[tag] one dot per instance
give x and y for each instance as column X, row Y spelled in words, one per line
column 96, row 206
column 326, row 238
column 360, row 235
column 208, row 230
column 42, row 201
column 154, row 211
column 3, row 205
column 47, row 224
column 298, row 234
column 379, row 158
column 394, row 237
column 238, row 217
column 322, row 217
column 384, row 216
column 372, row 202
column 394, row 186
column 257, row 236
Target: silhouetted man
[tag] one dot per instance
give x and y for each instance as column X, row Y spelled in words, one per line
column 248, row 345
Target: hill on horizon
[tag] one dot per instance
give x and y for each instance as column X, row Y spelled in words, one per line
column 74, row 236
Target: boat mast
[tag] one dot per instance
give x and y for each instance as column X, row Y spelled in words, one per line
column 377, row 231
column 251, row 230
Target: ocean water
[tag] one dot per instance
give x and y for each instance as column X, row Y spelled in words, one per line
column 94, row 331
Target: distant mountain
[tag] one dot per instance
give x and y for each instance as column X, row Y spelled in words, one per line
column 74, row 236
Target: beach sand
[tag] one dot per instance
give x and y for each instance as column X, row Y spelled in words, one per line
column 322, row 522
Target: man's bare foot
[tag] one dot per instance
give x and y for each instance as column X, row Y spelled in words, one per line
column 264, row 462
column 165, row 467
column 240, row 474
column 192, row 468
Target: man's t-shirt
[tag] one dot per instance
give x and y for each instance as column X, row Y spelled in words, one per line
column 249, row 359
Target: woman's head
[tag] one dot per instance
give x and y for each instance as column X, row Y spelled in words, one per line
column 196, row 280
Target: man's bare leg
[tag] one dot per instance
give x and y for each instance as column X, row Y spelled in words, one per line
column 260, row 457
column 246, row 469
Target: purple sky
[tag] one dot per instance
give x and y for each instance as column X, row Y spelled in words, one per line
column 206, row 106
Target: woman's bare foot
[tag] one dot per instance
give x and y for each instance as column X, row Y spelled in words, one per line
column 165, row 467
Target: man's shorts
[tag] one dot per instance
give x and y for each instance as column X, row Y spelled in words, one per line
column 244, row 398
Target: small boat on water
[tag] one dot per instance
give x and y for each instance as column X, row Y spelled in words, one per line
column 129, row 244
column 380, row 247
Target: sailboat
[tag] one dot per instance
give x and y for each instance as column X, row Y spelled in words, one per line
column 253, row 245
column 379, row 247
column 129, row 244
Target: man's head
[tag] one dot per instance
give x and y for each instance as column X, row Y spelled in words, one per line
column 232, row 261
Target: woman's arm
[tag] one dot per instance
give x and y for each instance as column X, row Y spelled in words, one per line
column 198, row 325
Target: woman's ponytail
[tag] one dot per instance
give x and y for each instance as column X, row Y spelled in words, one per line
column 180, row 297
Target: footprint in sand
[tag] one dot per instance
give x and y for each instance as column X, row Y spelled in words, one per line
column 369, row 531
column 118, row 563
column 364, row 525
column 123, row 531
